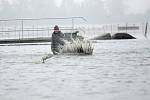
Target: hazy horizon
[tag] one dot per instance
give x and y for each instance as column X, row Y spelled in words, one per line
column 95, row 11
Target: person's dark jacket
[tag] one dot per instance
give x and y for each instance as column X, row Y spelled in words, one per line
column 57, row 41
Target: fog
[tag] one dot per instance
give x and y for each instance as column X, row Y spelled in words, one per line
column 95, row 11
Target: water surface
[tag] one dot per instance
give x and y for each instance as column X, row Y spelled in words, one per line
column 117, row 70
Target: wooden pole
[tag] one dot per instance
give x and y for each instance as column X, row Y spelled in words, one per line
column 146, row 30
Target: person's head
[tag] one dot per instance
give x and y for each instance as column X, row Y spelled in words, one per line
column 56, row 29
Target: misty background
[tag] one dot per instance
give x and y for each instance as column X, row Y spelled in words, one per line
column 95, row 11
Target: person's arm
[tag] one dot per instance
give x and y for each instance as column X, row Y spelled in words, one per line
column 54, row 38
column 61, row 39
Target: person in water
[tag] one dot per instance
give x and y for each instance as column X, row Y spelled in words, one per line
column 57, row 40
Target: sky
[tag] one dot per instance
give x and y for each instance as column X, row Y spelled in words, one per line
column 95, row 11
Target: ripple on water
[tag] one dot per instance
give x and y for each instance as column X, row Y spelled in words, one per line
column 115, row 68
